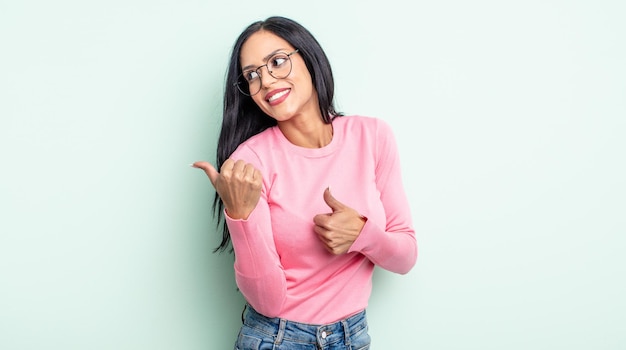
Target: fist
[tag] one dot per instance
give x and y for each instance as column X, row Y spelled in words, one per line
column 340, row 228
column 237, row 183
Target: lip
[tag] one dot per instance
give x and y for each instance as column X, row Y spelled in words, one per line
column 278, row 100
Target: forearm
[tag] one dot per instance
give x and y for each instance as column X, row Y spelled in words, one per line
column 395, row 251
column 258, row 271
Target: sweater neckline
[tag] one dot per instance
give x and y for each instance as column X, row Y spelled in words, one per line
column 311, row 152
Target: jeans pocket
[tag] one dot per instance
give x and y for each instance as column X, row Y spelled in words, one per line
column 360, row 340
column 246, row 342
column 250, row 340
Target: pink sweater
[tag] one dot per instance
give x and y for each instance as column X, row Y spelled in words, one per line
column 281, row 267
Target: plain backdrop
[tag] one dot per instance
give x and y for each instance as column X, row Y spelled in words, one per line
column 509, row 116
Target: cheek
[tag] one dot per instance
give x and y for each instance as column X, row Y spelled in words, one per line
column 259, row 101
column 305, row 88
column 304, row 82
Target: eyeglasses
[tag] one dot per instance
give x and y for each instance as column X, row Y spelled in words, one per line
column 278, row 66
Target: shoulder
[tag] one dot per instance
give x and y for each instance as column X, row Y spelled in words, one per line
column 365, row 124
column 254, row 147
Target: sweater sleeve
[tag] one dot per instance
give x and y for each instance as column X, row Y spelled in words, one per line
column 258, row 270
column 392, row 247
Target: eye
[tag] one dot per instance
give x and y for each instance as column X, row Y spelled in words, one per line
column 278, row 60
column 250, row 75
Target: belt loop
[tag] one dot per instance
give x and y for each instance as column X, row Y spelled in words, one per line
column 281, row 331
column 346, row 333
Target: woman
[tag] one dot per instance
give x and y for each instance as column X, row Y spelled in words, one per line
column 312, row 200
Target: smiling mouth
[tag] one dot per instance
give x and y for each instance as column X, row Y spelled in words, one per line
column 278, row 95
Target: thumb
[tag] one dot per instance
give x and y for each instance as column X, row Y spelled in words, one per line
column 209, row 169
column 332, row 202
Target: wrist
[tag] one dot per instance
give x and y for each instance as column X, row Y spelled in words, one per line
column 237, row 215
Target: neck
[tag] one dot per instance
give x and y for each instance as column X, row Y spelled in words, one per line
column 308, row 134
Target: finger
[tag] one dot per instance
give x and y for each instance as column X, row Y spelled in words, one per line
column 257, row 175
column 322, row 233
column 209, row 169
column 333, row 203
column 249, row 171
column 227, row 168
column 332, row 247
column 238, row 167
column 321, row 220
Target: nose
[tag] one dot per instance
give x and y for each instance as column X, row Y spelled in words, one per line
column 266, row 79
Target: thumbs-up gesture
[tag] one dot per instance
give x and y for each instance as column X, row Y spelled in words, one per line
column 238, row 184
column 340, row 228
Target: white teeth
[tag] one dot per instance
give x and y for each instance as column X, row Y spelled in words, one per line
column 278, row 95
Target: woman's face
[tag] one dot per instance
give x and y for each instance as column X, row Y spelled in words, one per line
column 286, row 98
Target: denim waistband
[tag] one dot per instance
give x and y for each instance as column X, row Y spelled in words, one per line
column 280, row 329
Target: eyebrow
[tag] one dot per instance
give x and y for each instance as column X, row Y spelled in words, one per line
column 265, row 59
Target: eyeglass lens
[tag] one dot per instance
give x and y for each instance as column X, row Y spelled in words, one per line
column 278, row 66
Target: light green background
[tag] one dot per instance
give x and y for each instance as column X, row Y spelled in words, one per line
column 509, row 115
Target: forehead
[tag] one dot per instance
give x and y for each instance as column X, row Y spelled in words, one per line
column 259, row 45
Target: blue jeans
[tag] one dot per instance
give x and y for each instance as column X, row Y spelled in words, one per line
column 263, row 333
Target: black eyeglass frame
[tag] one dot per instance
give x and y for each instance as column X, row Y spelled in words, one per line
column 240, row 79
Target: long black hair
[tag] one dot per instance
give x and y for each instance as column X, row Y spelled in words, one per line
column 242, row 118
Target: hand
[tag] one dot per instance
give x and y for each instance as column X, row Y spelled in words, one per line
column 339, row 229
column 238, row 184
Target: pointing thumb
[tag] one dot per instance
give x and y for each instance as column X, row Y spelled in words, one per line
column 333, row 203
column 209, row 169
